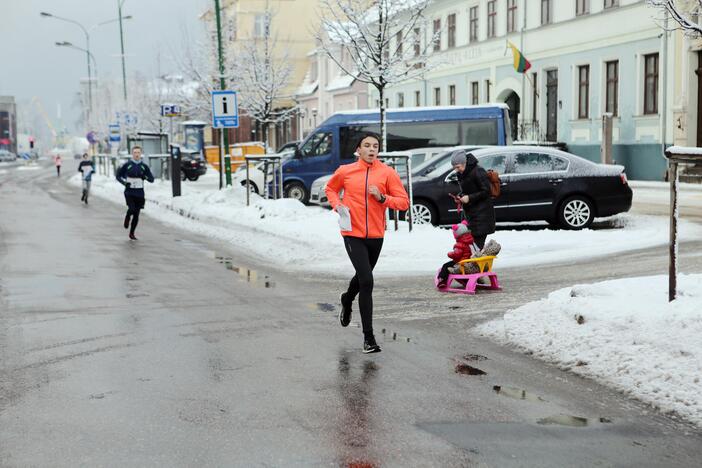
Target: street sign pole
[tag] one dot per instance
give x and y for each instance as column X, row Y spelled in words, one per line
column 223, row 86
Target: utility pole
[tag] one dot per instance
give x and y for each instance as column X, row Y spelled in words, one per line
column 223, row 86
column 121, row 42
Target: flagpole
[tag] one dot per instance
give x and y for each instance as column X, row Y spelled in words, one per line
column 522, row 103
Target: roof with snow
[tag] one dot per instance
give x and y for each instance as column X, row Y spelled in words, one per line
column 409, row 114
column 307, row 88
column 340, row 82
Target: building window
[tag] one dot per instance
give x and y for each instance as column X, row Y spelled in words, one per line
column 400, row 99
column 487, row 90
column 545, row 11
column 612, row 91
column 511, row 16
column 492, row 14
column 651, row 84
column 474, row 93
column 259, row 26
column 534, row 97
column 452, row 95
column 473, row 34
column 611, row 3
column 398, row 43
column 437, row 35
column 583, row 91
column 417, row 42
column 451, row 30
column 582, row 7
column 417, row 98
column 437, row 96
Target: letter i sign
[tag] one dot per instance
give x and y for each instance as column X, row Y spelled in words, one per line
column 225, row 111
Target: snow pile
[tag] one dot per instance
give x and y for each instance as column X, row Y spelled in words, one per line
column 301, row 238
column 624, row 333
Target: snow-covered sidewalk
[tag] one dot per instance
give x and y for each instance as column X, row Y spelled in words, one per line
column 300, row 238
column 623, row 333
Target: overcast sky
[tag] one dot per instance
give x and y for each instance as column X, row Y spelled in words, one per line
column 31, row 65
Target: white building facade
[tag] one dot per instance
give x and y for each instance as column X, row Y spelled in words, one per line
column 587, row 57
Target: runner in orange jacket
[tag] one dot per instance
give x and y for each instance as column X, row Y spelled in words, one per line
column 369, row 188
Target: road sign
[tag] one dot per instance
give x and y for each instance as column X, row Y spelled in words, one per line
column 225, row 111
column 115, row 134
column 170, row 110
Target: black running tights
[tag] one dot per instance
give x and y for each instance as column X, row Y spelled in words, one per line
column 364, row 255
column 134, row 214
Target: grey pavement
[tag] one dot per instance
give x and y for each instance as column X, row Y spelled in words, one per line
column 176, row 350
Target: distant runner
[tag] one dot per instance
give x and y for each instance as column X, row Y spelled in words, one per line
column 57, row 162
column 132, row 175
column 86, row 168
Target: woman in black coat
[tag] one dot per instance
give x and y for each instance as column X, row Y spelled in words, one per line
column 475, row 195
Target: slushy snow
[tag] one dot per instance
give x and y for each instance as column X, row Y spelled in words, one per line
column 296, row 237
column 629, row 337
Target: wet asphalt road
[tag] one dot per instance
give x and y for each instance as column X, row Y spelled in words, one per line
column 179, row 351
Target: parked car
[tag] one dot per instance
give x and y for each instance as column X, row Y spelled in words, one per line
column 538, row 183
column 7, row 156
column 256, row 179
column 192, row 166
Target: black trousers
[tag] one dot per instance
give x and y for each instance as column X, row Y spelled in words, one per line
column 443, row 274
column 135, row 205
column 364, row 255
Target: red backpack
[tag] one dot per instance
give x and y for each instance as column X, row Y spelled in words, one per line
column 495, row 183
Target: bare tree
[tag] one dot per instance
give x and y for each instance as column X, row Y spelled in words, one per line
column 378, row 42
column 685, row 13
column 263, row 77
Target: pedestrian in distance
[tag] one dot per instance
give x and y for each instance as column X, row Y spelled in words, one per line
column 132, row 175
column 57, row 163
column 370, row 187
column 475, row 195
column 86, row 169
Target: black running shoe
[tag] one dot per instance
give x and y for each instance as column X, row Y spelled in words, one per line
column 345, row 313
column 370, row 346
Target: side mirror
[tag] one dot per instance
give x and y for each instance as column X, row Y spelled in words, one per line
column 298, row 153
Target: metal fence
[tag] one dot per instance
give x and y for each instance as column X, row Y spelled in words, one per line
column 403, row 160
column 273, row 167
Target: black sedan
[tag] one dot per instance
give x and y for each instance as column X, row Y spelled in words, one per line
column 537, row 183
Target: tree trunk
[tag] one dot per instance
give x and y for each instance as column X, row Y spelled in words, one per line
column 383, row 125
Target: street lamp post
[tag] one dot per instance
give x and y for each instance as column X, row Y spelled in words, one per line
column 90, row 56
column 87, row 56
column 86, row 31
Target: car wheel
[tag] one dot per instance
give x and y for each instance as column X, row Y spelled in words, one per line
column 423, row 213
column 252, row 186
column 576, row 213
column 193, row 178
column 296, row 191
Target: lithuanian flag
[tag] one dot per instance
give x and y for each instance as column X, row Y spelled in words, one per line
column 521, row 64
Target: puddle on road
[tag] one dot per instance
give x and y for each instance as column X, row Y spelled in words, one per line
column 474, row 357
column 516, row 393
column 564, row 420
column 246, row 274
column 465, row 369
column 325, row 307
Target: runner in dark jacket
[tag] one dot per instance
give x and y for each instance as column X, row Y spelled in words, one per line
column 86, row 169
column 132, row 175
column 475, row 195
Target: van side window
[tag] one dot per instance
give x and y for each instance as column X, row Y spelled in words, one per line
column 319, row 144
